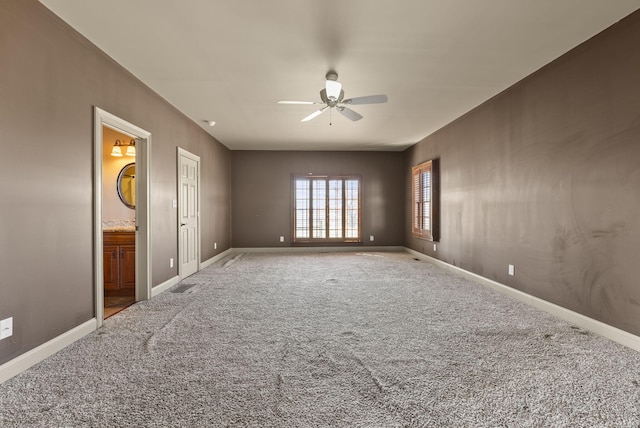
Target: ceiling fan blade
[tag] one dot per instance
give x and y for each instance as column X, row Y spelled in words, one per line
column 349, row 114
column 370, row 99
column 314, row 114
column 299, row 102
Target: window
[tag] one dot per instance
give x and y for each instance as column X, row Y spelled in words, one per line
column 424, row 190
column 326, row 209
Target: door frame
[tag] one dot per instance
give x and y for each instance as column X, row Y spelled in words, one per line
column 102, row 119
column 196, row 158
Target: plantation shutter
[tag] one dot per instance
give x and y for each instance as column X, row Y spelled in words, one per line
column 416, row 200
column 422, row 195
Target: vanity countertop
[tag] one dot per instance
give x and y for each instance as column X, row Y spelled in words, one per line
column 119, row 229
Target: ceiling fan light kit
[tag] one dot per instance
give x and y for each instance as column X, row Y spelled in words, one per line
column 332, row 86
column 332, row 96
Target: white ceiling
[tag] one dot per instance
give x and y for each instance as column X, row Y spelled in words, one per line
column 231, row 60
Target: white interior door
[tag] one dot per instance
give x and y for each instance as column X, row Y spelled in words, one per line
column 189, row 213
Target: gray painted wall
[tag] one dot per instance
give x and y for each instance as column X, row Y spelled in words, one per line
column 546, row 176
column 261, row 197
column 50, row 79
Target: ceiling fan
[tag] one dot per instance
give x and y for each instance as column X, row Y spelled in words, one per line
column 332, row 96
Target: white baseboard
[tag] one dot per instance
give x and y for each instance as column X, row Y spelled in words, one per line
column 357, row 249
column 598, row 327
column 215, row 258
column 30, row 358
column 161, row 288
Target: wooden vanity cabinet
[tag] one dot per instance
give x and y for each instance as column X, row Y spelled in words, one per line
column 119, row 261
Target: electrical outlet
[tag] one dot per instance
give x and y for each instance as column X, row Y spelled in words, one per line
column 171, row 262
column 215, row 245
column 6, row 328
column 371, row 238
column 282, row 239
column 435, row 248
column 512, row 270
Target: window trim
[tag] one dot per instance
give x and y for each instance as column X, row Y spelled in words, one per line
column 418, row 229
column 328, row 178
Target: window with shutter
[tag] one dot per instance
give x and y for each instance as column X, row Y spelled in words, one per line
column 326, row 208
column 424, row 200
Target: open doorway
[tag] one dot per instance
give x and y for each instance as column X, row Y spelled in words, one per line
column 121, row 215
column 118, row 220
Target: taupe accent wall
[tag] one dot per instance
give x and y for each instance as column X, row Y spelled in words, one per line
column 261, row 199
column 50, row 80
column 546, row 176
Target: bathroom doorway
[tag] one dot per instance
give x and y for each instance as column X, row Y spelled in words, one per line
column 121, row 215
column 118, row 220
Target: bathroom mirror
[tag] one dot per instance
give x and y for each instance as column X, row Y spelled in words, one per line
column 127, row 185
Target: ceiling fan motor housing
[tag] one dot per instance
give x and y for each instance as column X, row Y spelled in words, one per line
column 332, row 75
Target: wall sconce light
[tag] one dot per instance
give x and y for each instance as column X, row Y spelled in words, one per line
column 118, row 146
column 131, row 149
column 117, row 149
